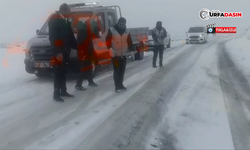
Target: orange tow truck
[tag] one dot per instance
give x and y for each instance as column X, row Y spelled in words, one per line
column 39, row 52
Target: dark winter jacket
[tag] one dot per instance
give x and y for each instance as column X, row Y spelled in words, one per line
column 61, row 35
column 159, row 35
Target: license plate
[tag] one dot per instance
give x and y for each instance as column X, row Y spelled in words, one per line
column 42, row 65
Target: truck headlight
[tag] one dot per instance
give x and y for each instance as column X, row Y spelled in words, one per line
column 201, row 35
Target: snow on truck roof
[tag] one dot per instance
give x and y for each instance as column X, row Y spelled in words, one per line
column 90, row 6
column 87, row 9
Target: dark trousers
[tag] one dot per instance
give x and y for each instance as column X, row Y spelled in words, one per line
column 60, row 76
column 158, row 49
column 119, row 65
column 86, row 72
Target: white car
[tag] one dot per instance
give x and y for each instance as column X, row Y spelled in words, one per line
column 197, row 35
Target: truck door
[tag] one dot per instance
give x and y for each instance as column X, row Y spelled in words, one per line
column 101, row 52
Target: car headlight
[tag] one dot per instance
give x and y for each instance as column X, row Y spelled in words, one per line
column 188, row 35
column 201, row 35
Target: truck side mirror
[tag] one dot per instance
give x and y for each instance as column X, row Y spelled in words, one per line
column 37, row 31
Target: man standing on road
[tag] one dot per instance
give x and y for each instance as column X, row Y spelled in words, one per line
column 119, row 41
column 159, row 34
column 62, row 39
column 85, row 54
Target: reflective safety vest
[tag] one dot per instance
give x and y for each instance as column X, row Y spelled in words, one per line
column 159, row 34
column 119, row 42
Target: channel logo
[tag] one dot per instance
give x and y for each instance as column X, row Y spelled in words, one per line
column 205, row 14
column 211, row 29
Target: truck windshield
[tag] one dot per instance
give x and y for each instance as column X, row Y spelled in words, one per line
column 195, row 29
column 75, row 17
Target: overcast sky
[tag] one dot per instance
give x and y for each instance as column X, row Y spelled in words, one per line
column 21, row 18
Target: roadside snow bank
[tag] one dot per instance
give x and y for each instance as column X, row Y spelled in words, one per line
column 239, row 50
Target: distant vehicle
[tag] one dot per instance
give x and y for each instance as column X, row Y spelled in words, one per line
column 150, row 44
column 197, row 35
column 39, row 53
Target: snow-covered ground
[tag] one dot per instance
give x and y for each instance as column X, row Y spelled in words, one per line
column 26, row 98
column 178, row 107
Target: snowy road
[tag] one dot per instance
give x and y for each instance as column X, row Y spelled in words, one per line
column 195, row 102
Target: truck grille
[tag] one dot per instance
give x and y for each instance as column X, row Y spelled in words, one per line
column 194, row 36
column 41, row 53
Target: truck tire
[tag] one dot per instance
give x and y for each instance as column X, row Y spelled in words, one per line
column 140, row 53
column 169, row 43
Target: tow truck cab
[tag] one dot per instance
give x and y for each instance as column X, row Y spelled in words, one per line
column 39, row 52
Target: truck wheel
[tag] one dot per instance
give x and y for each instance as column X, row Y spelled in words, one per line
column 40, row 75
column 140, row 53
column 169, row 43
